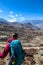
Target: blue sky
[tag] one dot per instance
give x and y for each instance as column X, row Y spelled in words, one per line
column 19, row 10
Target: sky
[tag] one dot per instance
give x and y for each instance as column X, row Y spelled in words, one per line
column 20, row 10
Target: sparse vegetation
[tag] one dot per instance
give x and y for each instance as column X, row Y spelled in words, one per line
column 29, row 38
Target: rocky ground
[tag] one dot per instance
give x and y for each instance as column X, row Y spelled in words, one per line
column 32, row 56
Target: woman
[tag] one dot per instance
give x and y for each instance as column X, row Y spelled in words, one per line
column 7, row 47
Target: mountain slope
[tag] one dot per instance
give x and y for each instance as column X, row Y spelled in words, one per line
column 38, row 23
column 3, row 21
column 27, row 25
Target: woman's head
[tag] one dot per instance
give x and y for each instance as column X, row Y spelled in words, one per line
column 15, row 35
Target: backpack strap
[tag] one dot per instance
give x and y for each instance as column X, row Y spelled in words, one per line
column 13, row 60
column 12, row 50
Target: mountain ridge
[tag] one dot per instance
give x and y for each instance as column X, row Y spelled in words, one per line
column 25, row 24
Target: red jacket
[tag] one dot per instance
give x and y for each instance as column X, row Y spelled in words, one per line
column 6, row 49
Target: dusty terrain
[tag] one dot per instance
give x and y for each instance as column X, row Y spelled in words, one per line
column 32, row 56
column 29, row 39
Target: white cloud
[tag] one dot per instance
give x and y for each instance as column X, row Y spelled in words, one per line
column 22, row 18
column 12, row 20
column 11, row 12
column 1, row 11
column 16, row 15
column 11, row 15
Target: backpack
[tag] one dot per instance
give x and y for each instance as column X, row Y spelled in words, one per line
column 16, row 51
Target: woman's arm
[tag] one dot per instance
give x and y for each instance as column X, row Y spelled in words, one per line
column 5, row 52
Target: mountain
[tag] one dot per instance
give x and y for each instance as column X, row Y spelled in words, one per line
column 25, row 30
column 4, row 22
column 31, row 26
column 38, row 23
column 27, row 25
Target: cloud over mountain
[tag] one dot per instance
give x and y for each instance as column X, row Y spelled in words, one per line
column 15, row 17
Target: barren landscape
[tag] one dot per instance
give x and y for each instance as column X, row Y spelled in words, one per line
column 24, row 17
column 31, row 40
column 33, row 50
